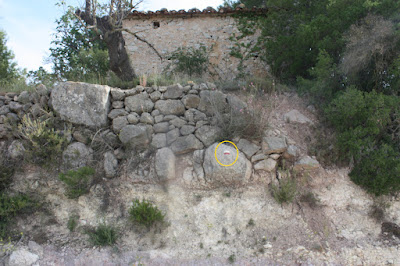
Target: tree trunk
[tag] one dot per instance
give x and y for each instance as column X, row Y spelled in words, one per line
column 119, row 59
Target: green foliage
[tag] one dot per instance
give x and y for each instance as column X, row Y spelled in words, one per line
column 6, row 174
column 10, row 207
column 145, row 213
column 77, row 181
column 72, row 222
column 190, row 61
column 102, row 235
column 8, row 68
column 232, row 259
column 378, row 172
column 77, row 53
column 44, row 143
column 285, row 192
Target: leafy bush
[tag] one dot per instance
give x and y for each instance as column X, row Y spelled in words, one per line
column 145, row 213
column 285, row 192
column 77, row 181
column 72, row 222
column 102, row 235
column 11, row 206
column 378, row 172
column 45, row 144
column 190, row 61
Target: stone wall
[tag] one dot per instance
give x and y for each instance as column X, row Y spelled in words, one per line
column 178, row 123
column 166, row 32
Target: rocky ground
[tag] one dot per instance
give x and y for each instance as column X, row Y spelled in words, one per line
column 241, row 225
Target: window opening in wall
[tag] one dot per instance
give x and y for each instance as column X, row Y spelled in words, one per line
column 156, row 24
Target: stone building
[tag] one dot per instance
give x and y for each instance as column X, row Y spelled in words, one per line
column 160, row 33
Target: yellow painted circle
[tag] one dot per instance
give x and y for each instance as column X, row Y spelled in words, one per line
column 237, row 153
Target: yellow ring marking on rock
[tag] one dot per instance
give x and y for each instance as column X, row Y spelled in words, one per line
column 237, row 153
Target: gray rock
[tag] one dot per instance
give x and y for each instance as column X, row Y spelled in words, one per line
column 211, row 85
column 235, row 103
column 258, row 157
column 169, row 117
column 162, row 88
column 203, row 86
column 198, row 158
column 134, row 136
column 34, row 97
column 119, row 153
column 149, row 89
column 248, row 148
column 306, row 163
column 110, row 164
column 23, row 97
column 131, row 92
column 274, row 156
column 117, row 112
column 77, row 155
column 15, row 107
column 274, row 145
column 173, row 92
column 12, row 118
column 201, row 123
column 42, row 90
column 3, row 131
column 161, row 127
column 44, row 101
column 118, row 123
column 268, row 165
column 133, row 118
column 155, row 96
column 165, row 164
column 170, row 107
column 35, row 247
column 117, row 94
column 186, row 130
column 208, row 134
column 82, row 103
column 139, row 88
column 139, row 103
column 297, row 117
column 155, row 113
column 291, row 152
column 191, row 101
column 178, row 122
column 110, row 138
column 16, row 149
column 186, row 144
column 217, row 175
column 172, row 136
column 4, row 110
column 193, row 115
column 22, row 257
column 159, row 140
column 171, row 127
column 118, row 104
column 146, row 118
column 158, row 118
column 83, row 136
column 193, row 92
column 212, row 101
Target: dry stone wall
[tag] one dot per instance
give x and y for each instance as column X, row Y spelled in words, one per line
column 176, row 122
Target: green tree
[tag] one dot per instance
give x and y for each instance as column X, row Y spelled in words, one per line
column 77, row 53
column 8, row 68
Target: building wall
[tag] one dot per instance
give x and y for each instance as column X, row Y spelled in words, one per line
column 213, row 31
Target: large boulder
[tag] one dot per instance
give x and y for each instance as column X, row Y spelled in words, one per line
column 82, row 103
column 218, row 175
column 22, row 257
column 139, row 103
column 134, row 135
column 170, row 107
column 165, row 164
column 186, row 144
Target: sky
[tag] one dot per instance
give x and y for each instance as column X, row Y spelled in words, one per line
column 30, row 24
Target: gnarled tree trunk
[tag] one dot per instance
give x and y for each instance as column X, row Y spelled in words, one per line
column 112, row 36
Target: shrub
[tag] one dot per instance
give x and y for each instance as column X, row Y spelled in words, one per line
column 6, row 174
column 378, row 172
column 145, row 213
column 190, row 61
column 11, row 206
column 72, row 222
column 45, row 144
column 285, row 192
column 77, row 181
column 102, row 235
